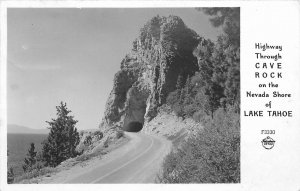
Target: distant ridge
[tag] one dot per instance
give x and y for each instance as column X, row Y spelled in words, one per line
column 18, row 129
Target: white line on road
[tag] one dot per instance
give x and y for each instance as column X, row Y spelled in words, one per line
column 125, row 164
column 143, row 168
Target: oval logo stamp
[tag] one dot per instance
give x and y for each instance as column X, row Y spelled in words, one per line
column 268, row 142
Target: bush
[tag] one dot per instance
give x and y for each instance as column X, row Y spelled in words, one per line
column 120, row 133
column 106, row 143
column 201, row 117
column 35, row 173
column 81, row 133
column 172, row 98
column 98, row 133
column 178, row 110
column 87, row 156
column 212, row 156
column 88, row 140
column 189, row 110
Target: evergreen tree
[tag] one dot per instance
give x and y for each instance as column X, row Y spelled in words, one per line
column 62, row 139
column 219, row 63
column 232, row 84
column 227, row 52
column 204, row 52
column 228, row 19
column 180, row 104
column 179, row 82
column 187, row 91
column 30, row 160
column 217, row 82
column 10, row 175
column 189, row 108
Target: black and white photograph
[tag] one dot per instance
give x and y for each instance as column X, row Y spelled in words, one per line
column 123, row 95
column 150, row 95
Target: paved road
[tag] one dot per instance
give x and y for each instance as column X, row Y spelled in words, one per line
column 136, row 162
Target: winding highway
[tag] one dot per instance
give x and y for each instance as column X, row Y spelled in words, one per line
column 136, row 162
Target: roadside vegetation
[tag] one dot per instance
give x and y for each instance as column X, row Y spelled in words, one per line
column 60, row 145
column 211, row 156
column 211, row 97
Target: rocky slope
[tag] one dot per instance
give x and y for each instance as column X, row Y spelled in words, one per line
column 175, row 128
column 161, row 53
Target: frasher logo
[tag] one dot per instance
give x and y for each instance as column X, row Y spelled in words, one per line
column 268, row 142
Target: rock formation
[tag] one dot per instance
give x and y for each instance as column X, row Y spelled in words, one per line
column 161, row 53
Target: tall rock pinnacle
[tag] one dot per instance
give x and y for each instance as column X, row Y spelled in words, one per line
column 161, row 53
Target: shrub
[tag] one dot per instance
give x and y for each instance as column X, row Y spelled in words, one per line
column 201, row 117
column 98, row 133
column 106, row 143
column 35, row 173
column 88, row 140
column 189, row 110
column 212, row 156
column 81, row 133
column 120, row 133
column 172, row 98
column 165, row 108
column 85, row 157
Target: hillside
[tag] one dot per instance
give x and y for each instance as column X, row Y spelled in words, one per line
column 18, row 129
column 177, row 84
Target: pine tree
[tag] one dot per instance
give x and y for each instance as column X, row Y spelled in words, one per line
column 228, row 19
column 180, row 105
column 187, row 91
column 30, row 160
column 179, row 82
column 224, row 60
column 179, row 89
column 62, row 139
column 189, row 106
column 232, row 84
column 10, row 175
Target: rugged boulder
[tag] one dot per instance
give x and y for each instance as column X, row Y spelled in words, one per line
column 162, row 52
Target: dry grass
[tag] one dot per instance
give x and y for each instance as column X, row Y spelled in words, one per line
column 28, row 176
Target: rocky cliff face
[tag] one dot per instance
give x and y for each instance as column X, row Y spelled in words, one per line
column 161, row 53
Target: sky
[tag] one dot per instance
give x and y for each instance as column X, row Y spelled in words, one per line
column 71, row 55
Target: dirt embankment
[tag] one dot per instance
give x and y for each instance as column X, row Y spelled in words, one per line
column 175, row 128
